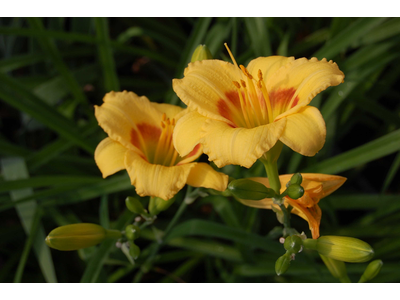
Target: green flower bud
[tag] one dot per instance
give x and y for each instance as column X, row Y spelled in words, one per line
column 295, row 191
column 201, row 53
column 336, row 267
column 341, row 248
column 134, row 205
column 293, row 244
column 282, row 264
column 132, row 232
column 134, row 250
column 250, row 190
column 372, row 270
column 158, row 205
column 296, row 179
column 78, row 236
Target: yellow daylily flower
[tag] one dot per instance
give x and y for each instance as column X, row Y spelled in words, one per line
column 316, row 187
column 238, row 114
column 140, row 141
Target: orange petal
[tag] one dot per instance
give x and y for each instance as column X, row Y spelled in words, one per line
column 156, row 180
column 203, row 175
column 239, row 146
column 109, row 157
column 207, row 88
column 305, row 131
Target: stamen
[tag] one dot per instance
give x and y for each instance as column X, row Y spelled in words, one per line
column 230, row 54
column 264, row 91
column 251, row 105
column 243, row 83
column 164, row 116
column 242, row 104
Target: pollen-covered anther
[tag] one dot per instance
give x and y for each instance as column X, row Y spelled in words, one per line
column 243, row 83
column 244, row 70
column 236, row 84
column 260, row 76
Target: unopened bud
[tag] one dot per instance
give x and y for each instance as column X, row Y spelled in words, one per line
column 201, row 53
column 282, row 264
column 250, row 189
column 132, row 232
column 78, row 236
column 134, row 250
column 341, row 248
column 371, row 271
column 295, row 191
column 293, row 244
column 134, row 205
column 158, row 205
column 296, row 179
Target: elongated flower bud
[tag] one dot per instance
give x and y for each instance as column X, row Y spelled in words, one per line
column 341, row 248
column 78, row 236
column 250, row 189
column 282, row 264
column 201, row 53
column 371, row 271
column 134, row 205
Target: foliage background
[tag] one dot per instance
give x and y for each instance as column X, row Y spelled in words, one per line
column 52, row 72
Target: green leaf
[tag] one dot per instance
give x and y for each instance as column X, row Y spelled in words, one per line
column 259, row 37
column 211, row 229
column 224, row 209
column 42, row 112
column 15, row 168
column 392, row 172
column 361, row 155
column 106, row 56
column 347, row 37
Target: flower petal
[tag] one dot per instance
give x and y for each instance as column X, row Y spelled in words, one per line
column 239, row 146
column 268, row 65
column 299, row 81
column 203, row 175
column 305, row 131
column 128, row 119
column 109, row 157
column 330, row 183
column 187, row 132
column 170, row 110
column 155, row 180
column 207, row 88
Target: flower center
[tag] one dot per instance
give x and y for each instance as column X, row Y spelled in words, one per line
column 165, row 153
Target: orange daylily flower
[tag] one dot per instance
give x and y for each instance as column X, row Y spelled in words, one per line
column 316, row 187
column 140, row 141
column 238, row 114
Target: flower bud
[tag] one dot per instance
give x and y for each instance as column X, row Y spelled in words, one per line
column 158, row 205
column 282, row 264
column 295, row 191
column 336, row 267
column 371, row 271
column 250, row 189
column 134, row 205
column 201, row 53
column 293, row 244
column 341, row 248
column 296, row 179
column 132, row 232
column 134, row 250
column 78, row 236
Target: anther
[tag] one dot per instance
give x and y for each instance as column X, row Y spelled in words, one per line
column 162, row 124
column 236, row 84
column 164, row 116
column 168, row 122
column 259, row 84
column 260, row 76
column 244, row 70
column 173, row 122
column 243, row 83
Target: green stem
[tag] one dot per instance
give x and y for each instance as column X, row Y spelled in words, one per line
column 271, row 167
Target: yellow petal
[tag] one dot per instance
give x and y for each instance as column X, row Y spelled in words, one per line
column 295, row 84
column 109, row 157
column 268, row 65
column 170, row 110
column 305, row 131
column 207, row 88
column 155, row 180
column 203, row 175
column 330, row 183
column 127, row 118
column 187, row 132
column 225, row 145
